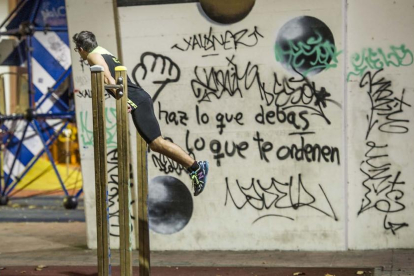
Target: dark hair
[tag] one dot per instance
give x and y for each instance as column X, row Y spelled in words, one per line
column 85, row 40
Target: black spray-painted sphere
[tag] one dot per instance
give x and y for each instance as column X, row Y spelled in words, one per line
column 170, row 205
column 227, row 11
column 303, row 44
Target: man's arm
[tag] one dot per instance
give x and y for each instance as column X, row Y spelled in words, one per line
column 97, row 59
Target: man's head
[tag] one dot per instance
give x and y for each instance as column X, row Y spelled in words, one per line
column 85, row 43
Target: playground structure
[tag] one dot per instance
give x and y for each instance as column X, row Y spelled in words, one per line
column 40, row 51
column 100, row 153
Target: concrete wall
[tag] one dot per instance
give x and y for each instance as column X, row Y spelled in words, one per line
column 292, row 164
column 380, row 126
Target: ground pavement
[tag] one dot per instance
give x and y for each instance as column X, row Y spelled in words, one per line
column 64, row 245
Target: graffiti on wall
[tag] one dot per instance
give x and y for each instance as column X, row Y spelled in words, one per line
column 277, row 196
column 383, row 180
column 297, row 104
column 170, row 205
column 293, row 99
column 86, row 128
column 113, row 194
column 166, row 70
column 306, row 45
column 376, row 59
column 211, row 41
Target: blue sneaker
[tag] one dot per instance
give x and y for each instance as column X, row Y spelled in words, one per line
column 199, row 177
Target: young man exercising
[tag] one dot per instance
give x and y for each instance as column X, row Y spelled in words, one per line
column 141, row 107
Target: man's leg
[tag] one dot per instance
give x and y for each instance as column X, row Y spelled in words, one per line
column 198, row 170
column 148, row 127
column 172, row 151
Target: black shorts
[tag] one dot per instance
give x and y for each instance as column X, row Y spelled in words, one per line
column 143, row 115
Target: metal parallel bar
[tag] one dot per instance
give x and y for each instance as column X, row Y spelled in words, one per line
column 123, row 175
column 36, row 127
column 100, row 155
column 114, row 86
column 27, row 169
column 143, row 232
column 19, row 147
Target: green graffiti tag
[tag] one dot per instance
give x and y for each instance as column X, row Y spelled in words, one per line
column 86, row 129
column 319, row 54
column 376, row 59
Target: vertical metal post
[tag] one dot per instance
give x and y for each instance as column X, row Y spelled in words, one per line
column 99, row 140
column 123, row 174
column 143, row 232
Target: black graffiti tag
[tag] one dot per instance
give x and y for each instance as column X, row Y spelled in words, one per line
column 278, row 195
column 158, row 69
column 383, row 186
column 227, row 41
column 293, row 98
column 113, row 194
column 386, row 109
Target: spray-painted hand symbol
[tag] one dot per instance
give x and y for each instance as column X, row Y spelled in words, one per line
column 158, row 69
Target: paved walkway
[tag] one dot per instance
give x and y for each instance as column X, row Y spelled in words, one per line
column 190, row 271
column 63, row 244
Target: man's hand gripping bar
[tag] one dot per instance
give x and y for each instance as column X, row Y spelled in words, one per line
column 119, row 87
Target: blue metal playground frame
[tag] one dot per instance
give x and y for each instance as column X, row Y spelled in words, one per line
column 25, row 27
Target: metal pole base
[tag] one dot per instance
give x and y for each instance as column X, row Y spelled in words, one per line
column 4, row 200
column 70, row 202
